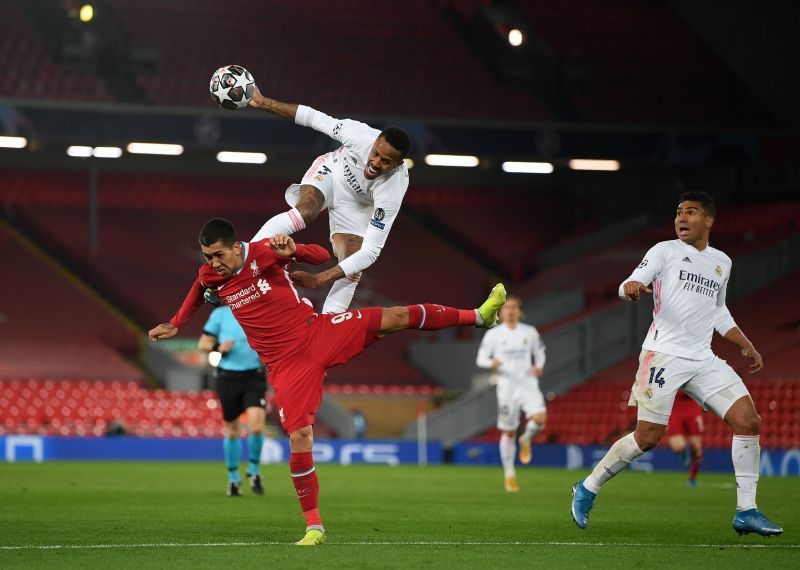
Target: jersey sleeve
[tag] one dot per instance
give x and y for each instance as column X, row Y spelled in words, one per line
column 193, row 301
column 648, row 270
column 537, row 349
column 311, row 253
column 378, row 229
column 723, row 320
column 213, row 324
column 346, row 131
column 485, row 352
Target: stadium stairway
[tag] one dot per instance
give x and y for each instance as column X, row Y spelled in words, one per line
column 53, row 325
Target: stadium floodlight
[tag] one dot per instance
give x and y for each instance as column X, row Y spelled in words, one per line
column 409, row 163
column 462, row 160
column 517, row 167
column 86, row 13
column 107, row 152
column 79, row 151
column 13, row 142
column 515, row 37
column 242, row 157
column 593, row 164
column 155, row 148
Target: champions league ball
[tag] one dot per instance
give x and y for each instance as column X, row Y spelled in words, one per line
column 232, row 87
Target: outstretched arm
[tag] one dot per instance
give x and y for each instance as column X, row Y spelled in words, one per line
column 194, row 299
column 285, row 110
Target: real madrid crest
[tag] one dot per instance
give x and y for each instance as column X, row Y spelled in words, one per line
column 718, row 271
column 649, row 392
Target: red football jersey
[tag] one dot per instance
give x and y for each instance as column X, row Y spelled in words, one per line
column 262, row 298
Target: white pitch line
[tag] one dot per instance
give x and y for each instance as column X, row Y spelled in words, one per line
column 387, row 543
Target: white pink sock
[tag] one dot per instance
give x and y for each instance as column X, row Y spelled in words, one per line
column 746, row 455
column 286, row 223
column 508, row 451
column 532, row 429
column 621, row 454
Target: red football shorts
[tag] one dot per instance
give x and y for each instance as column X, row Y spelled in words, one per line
column 333, row 340
column 686, row 418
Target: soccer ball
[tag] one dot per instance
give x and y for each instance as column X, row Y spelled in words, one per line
column 232, row 87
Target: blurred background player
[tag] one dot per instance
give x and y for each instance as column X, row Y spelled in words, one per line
column 362, row 184
column 507, row 350
column 690, row 280
column 241, row 386
column 685, row 432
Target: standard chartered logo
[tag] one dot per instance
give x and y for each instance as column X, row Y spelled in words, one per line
column 263, row 285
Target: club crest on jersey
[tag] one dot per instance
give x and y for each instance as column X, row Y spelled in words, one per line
column 254, row 268
column 718, row 270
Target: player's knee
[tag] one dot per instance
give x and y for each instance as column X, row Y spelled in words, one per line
column 310, row 204
column 302, row 439
column 647, row 438
column 746, row 424
column 509, row 433
column 231, row 430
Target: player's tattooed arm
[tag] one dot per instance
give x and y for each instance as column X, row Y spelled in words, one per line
column 285, row 110
column 162, row 331
column 736, row 336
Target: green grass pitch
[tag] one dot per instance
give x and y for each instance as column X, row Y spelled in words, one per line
column 176, row 515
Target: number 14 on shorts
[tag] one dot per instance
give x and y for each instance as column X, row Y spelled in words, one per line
column 656, row 377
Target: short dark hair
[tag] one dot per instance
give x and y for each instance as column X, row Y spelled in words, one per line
column 399, row 139
column 217, row 230
column 705, row 199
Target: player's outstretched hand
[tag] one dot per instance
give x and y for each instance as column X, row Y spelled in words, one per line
column 283, row 245
column 758, row 362
column 633, row 290
column 304, row 279
column 162, row 331
column 257, row 101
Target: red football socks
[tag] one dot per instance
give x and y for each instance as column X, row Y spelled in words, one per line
column 304, row 477
column 694, row 466
column 430, row 317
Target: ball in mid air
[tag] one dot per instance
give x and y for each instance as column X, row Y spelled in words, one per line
column 232, row 87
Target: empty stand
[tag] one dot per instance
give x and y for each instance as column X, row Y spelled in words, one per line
column 35, row 74
column 80, row 407
column 349, row 57
column 634, row 62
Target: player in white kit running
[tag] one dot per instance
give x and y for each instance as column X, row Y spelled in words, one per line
column 362, row 184
column 507, row 350
column 688, row 279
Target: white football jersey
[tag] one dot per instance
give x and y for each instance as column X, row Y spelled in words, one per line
column 688, row 295
column 514, row 348
column 384, row 193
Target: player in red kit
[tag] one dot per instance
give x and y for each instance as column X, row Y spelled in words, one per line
column 296, row 344
column 685, row 431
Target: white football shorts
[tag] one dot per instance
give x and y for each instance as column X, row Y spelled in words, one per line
column 711, row 382
column 347, row 213
column 511, row 400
